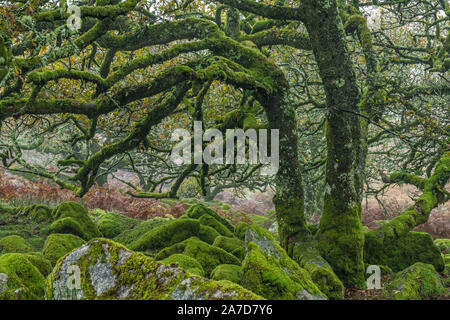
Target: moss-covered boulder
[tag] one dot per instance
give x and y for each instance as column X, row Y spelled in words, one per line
column 71, row 217
column 112, row 224
column 59, row 244
column 127, row 237
column 322, row 274
column 241, row 230
column 443, row 245
column 19, row 278
column 167, row 235
column 417, row 282
column 405, row 251
column 268, row 270
column 39, row 213
column 38, row 260
column 186, row 263
column 209, row 221
column 198, row 210
column 207, row 234
column 207, row 255
column 14, row 244
column 110, row 271
column 231, row 245
column 230, row 272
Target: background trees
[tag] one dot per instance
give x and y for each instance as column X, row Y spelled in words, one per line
column 355, row 99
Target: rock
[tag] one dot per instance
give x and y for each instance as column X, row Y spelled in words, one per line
column 57, row 245
column 198, row 210
column 112, row 224
column 207, row 234
column 38, row 260
column 71, row 217
column 14, row 244
column 20, row 279
column 405, row 251
column 209, row 221
column 417, row 282
column 443, row 245
column 167, row 235
column 127, row 237
column 207, row 255
column 241, row 230
column 230, row 272
column 231, row 245
column 110, row 271
column 322, row 274
column 269, row 272
column 186, row 263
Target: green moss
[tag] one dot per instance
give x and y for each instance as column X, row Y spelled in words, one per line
column 209, row 256
column 270, row 272
column 417, row 282
column 112, row 224
column 71, row 217
column 38, row 260
column 186, row 263
column 24, row 281
column 308, row 257
column 14, row 244
column 209, row 221
column 110, row 271
column 240, row 230
column 58, row 245
column 207, row 234
column 231, row 245
column 228, row 272
column 443, row 245
column 129, row 236
column 167, row 235
column 39, row 213
column 403, row 252
column 198, row 210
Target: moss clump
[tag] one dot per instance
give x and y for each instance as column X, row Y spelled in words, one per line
column 110, row 271
column 240, row 230
column 403, row 252
column 209, row 256
column 24, row 281
column 209, row 221
column 72, row 217
column 228, row 272
column 39, row 213
column 58, row 245
column 167, row 234
column 270, row 272
column 38, row 260
column 417, row 282
column 320, row 270
column 198, row 210
column 14, row 244
column 112, row 224
column 443, row 245
column 231, row 245
column 127, row 237
column 207, row 234
column 186, row 263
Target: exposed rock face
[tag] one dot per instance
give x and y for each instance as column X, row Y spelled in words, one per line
column 268, row 270
column 417, row 282
column 110, row 271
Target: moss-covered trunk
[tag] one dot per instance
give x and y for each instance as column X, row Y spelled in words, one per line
column 289, row 197
column 340, row 234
